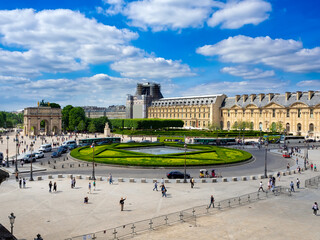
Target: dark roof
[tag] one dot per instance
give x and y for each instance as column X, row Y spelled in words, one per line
column 277, row 98
column 5, row 234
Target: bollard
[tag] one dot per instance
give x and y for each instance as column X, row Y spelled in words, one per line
column 253, row 177
column 166, row 181
column 54, row 167
column 177, row 180
column 120, row 180
column 70, row 176
column 234, row 179
column 244, row 178
column 131, row 180
column 224, row 179
column 99, row 178
column 214, row 180
column 261, row 176
column 50, row 177
column 62, row 166
column 88, row 178
column 293, row 171
column 60, row 176
column 39, row 178
column 203, row 180
column 78, row 177
column 283, row 173
column 288, row 173
column 143, row 180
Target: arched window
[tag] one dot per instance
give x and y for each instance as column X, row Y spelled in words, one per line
column 288, row 127
column 221, row 124
column 311, row 127
column 228, row 125
column 260, row 126
column 251, row 126
column 299, row 127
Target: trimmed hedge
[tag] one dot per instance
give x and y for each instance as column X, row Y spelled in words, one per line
column 146, row 123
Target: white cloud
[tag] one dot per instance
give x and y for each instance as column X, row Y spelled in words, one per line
column 58, row 41
column 162, row 15
column 241, row 87
column 309, row 83
column 246, row 73
column 151, row 67
column 288, row 55
column 236, row 14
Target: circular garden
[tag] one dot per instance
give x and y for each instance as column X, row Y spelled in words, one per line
column 196, row 155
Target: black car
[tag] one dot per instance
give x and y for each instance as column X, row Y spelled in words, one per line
column 56, row 154
column 177, row 174
column 63, row 149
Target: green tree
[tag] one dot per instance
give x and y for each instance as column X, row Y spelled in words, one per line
column 92, row 127
column 81, row 126
column 235, row 125
column 214, row 127
column 65, row 116
column 76, row 114
column 55, row 105
column 273, row 127
column 279, row 127
column 3, row 118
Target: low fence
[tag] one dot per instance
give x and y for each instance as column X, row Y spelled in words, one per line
column 312, row 182
column 187, row 215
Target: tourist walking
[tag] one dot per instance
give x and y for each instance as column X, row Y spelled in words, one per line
column 50, row 186
column 288, row 167
column 311, row 166
column 74, row 182
column 20, row 182
column 298, row 183
column 86, row 200
column 122, row 202
column 163, row 191
column 155, row 186
column 89, row 187
column 278, row 176
column 192, row 182
column 260, row 187
column 54, row 186
column 292, row 186
column 24, row 182
column 314, row 167
column 94, row 185
column 315, row 208
column 110, row 179
column 211, row 201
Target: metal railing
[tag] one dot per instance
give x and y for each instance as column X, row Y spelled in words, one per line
column 312, row 182
column 187, row 215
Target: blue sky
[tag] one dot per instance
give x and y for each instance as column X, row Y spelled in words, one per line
column 95, row 52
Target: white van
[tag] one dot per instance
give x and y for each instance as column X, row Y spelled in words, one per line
column 45, row 148
column 68, row 143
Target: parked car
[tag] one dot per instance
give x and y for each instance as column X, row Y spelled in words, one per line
column 309, row 140
column 39, row 154
column 177, row 174
column 286, row 155
column 146, row 141
column 29, row 157
column 55, row 154
column 131, row 141
column 46, row 148
column 72, row 146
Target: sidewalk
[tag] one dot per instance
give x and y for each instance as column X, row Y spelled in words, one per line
column 63, row 214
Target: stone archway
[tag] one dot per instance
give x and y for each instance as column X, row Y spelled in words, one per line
column 51, row 117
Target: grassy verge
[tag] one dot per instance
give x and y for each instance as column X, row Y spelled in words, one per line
column 120, row 154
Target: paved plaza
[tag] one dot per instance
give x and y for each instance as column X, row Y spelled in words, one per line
column 63, row 214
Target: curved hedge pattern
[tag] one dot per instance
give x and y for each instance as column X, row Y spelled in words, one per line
column 119, row 154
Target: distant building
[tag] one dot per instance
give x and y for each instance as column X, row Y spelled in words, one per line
column 137, row 105
column 112, row 112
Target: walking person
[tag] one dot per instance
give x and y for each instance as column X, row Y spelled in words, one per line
column 298, row 183
column 50, row 186
column 314, row 167
column 211, row 202
column 24, row 183
column 110, row 179
column 311, row 166
column 192, row 182
column 155, row 186
column 292, row 186
column 163, row 191
column 22, row 162
column 122, row 202
column 20, row 182
column 278, row 175
column 89, row 187
column 54, row 186
column 94, row 185
column 315, row 208
column 288, row 167
column 260, row 187
column 74, row 182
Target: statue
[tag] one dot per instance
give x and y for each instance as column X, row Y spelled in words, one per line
column 107, row 132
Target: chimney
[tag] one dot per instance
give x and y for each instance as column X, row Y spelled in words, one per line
column 237, row 98
column 299, row 93
column 261, row 96
column 252, row 97
column 270, row 96
column 287, row 94
column 310, row 94
column 245, row 97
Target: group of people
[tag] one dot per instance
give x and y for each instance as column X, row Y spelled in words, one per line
column 162, row 188
column 54, row 186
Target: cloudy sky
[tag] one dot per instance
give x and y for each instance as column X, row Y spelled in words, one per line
column 83, row 52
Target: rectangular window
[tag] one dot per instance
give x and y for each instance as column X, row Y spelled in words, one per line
column 299, row 113
column 288, row 112
column 260, row 112
column 235, row 113
column 311, row 113
column 199, row 115
column 251, row 113
column 273, row 113
column 228, row 113
column 244, row 112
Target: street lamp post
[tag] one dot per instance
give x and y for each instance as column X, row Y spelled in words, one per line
column 265, row 161
column 31, row 148
column 185, row 162
column 16, row 162
column 93, row 170
column 12, row 217
column 7, row 151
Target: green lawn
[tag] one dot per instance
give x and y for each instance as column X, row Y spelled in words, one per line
column 120, row 154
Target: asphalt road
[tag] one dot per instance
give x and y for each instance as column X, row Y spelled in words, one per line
column 275, row 163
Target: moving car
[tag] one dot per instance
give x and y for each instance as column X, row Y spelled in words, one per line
column 177, row 174
column 55, row 154
column 29, row 157
column 63, row 149
column 46, row 148
column 39, row 154
column 72, row 146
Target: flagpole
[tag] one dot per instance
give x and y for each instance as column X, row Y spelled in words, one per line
column 93, row 174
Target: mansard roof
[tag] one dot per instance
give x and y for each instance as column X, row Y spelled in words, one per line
column 279, row 99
